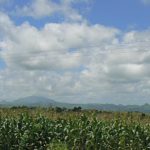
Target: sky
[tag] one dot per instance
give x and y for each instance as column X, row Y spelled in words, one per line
column 76, row 51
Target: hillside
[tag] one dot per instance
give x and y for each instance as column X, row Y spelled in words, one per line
column 37, row 101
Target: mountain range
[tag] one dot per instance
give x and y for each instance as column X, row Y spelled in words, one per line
column 37, row 101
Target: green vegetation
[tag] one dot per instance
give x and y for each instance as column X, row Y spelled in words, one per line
column 50, row 129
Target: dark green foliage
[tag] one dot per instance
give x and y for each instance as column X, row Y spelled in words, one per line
column 59, row 109
column 27, row 133
column 77, row 109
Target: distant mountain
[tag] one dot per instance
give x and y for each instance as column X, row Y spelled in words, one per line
column 35, row 101
column 4, row 103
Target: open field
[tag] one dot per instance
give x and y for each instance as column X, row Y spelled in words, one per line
column 57, row 113
column 49, row 128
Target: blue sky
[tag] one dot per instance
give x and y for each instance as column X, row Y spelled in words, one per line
column 123, row 14
column 2, row 64
column 88, row 51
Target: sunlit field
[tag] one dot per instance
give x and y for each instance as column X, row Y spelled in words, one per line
column 63, row 129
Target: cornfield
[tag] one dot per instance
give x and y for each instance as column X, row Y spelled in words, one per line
column 40, row 133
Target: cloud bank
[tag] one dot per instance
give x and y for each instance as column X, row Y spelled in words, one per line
column 72, row 61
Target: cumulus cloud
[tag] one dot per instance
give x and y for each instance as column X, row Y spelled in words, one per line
column 48, row 48
column 73, row 61
column 44, row 8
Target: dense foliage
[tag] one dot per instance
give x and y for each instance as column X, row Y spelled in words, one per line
column 29, row 133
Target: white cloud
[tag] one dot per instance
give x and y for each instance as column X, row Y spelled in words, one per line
column 43, row 8
column 48, row 48
column 146, row 2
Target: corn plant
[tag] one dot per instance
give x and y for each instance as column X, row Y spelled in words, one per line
column 41, row 133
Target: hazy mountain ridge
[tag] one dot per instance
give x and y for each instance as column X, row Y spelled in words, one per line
column 35, row 101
